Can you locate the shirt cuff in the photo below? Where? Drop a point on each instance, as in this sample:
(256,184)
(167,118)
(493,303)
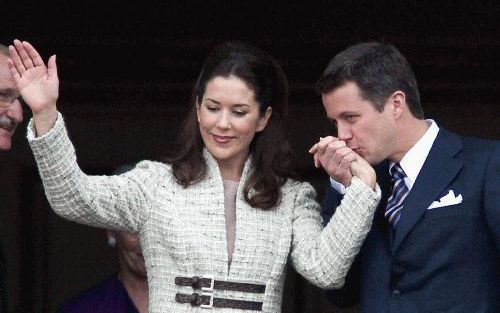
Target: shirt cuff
(337,186)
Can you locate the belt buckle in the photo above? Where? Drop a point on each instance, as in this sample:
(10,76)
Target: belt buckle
(211,303)
(211,287)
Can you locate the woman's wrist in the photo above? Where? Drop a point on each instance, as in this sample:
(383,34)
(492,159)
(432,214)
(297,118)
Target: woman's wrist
(44,120)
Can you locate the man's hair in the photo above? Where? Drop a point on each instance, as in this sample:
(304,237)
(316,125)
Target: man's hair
(4,50)
(378,70)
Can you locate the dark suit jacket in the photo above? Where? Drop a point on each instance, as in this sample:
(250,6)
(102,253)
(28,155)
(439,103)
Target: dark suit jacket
(439,260)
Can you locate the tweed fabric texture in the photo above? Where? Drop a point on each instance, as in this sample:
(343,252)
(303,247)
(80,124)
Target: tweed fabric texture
(183,233)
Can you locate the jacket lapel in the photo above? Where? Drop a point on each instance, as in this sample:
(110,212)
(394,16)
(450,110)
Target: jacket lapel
(439,169)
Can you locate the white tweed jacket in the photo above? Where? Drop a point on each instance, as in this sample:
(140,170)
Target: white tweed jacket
(182,230)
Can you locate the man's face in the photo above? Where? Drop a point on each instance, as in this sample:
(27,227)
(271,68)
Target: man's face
(365,130)
(11,113)
(130,252)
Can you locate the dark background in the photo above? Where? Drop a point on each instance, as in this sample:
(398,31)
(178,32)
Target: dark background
(126,72)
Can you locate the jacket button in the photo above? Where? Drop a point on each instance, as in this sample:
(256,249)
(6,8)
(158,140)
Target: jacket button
(396,294)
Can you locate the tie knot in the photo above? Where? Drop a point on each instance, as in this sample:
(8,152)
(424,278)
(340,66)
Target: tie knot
(397,172)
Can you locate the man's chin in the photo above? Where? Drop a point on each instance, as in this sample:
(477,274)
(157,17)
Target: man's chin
(372,161)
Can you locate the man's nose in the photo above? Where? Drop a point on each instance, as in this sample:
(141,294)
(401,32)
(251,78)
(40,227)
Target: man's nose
(344,132)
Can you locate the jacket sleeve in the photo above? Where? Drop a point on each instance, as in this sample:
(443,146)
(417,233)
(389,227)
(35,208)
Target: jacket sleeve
(349,294)
(324,255)
(118,202)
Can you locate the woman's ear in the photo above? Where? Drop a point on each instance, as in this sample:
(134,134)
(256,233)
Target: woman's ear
(264,119)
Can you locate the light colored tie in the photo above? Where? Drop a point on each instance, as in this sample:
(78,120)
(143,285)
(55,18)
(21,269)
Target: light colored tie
(398,195)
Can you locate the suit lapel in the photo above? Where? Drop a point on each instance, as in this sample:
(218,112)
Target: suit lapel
(439,169)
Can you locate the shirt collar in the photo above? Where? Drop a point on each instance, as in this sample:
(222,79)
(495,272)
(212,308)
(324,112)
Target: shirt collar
(414,159)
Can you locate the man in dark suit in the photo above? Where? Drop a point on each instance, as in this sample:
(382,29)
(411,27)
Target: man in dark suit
(11,115)
(435,238)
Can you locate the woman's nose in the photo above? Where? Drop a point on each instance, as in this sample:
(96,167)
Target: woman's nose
(223,121)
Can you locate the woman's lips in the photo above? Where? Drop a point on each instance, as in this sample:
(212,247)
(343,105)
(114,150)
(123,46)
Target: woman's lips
(222,139)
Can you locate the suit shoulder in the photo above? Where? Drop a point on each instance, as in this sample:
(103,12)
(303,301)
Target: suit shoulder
(480,150)
(479,144)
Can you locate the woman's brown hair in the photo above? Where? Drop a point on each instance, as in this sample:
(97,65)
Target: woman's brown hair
(272,156)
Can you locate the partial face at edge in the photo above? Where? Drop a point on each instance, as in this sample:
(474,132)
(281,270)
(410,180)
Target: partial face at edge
(130,252)
(11,113)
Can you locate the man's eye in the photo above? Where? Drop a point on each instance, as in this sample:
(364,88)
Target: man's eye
(8,97)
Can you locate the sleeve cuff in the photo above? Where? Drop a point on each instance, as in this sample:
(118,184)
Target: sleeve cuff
(337,186)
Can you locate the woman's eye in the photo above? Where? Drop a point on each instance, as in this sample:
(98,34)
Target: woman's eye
(240,113)
(212,109)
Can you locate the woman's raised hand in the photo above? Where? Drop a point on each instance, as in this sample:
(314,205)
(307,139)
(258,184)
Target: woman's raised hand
(37,83)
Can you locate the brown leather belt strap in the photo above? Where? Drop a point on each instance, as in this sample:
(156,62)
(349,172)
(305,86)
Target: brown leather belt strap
(208,284)
(207,301)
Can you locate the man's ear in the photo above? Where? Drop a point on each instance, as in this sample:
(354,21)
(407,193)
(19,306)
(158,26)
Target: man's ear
(264,119)
(398,103)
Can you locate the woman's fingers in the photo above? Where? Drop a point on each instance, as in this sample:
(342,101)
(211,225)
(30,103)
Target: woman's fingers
(313,149)
(346,161)
(338,150)
(364,171)
(33,54)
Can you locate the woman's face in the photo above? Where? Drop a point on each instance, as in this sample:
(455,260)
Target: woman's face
(229,117)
